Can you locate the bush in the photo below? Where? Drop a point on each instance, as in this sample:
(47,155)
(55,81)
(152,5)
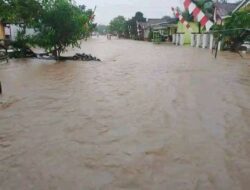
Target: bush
(150,36)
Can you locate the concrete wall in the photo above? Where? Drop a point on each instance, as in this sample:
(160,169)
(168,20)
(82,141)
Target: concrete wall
(187,36)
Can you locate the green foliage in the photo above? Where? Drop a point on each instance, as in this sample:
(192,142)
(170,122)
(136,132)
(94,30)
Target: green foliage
(20,12)
(61,24)
(58,23)
(238,20)
(126,32)
(118,25)
(132,24)
(127,29)
(150,35)
(207,6)
(187,16)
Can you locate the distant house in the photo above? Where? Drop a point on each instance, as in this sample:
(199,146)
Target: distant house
(10,31)
(165,27)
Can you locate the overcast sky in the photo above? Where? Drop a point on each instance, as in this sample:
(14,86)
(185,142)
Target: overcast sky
(108,9)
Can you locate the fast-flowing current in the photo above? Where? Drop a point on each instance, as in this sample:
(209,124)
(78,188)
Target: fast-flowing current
(148,117)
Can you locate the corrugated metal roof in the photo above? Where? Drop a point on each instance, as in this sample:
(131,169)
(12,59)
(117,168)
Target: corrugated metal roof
(225,9)
(157,22)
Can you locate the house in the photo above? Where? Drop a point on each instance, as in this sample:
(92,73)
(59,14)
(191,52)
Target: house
(187,33)
(164,26)
(224,10)
(10,31)
(144,28)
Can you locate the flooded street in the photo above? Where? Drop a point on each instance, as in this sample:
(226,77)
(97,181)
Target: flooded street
(148,117)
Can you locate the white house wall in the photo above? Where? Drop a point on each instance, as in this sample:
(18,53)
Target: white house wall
(14,30)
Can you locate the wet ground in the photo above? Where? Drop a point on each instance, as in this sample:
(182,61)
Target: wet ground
(148,117)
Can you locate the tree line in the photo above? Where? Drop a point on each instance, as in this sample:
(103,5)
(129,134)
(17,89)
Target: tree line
(126,28)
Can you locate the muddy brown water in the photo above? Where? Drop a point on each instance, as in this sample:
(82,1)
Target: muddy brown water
(148,117)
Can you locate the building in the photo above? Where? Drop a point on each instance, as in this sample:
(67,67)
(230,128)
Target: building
(10,31)
(165,27)
(181,29)
(224,10)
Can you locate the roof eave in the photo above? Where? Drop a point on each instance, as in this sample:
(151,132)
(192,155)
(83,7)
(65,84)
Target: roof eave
(241,5)
(225,17)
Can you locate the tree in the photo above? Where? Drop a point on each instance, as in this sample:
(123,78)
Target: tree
(167,17)
(139,17)
(132,24)
(117,25)
(238,20)
(20,12)
(207,7)
(57,23)
(126,32)
(60,25)
(187,16)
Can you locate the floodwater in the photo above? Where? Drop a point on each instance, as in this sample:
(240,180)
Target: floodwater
(148,117)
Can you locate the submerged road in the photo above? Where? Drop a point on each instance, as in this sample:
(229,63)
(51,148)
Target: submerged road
(148,117)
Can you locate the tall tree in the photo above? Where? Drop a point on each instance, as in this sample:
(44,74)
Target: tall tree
(20,12)
(132,24)
(57,23)
(117,25)
(166,17)
(61,24)
(187,16)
